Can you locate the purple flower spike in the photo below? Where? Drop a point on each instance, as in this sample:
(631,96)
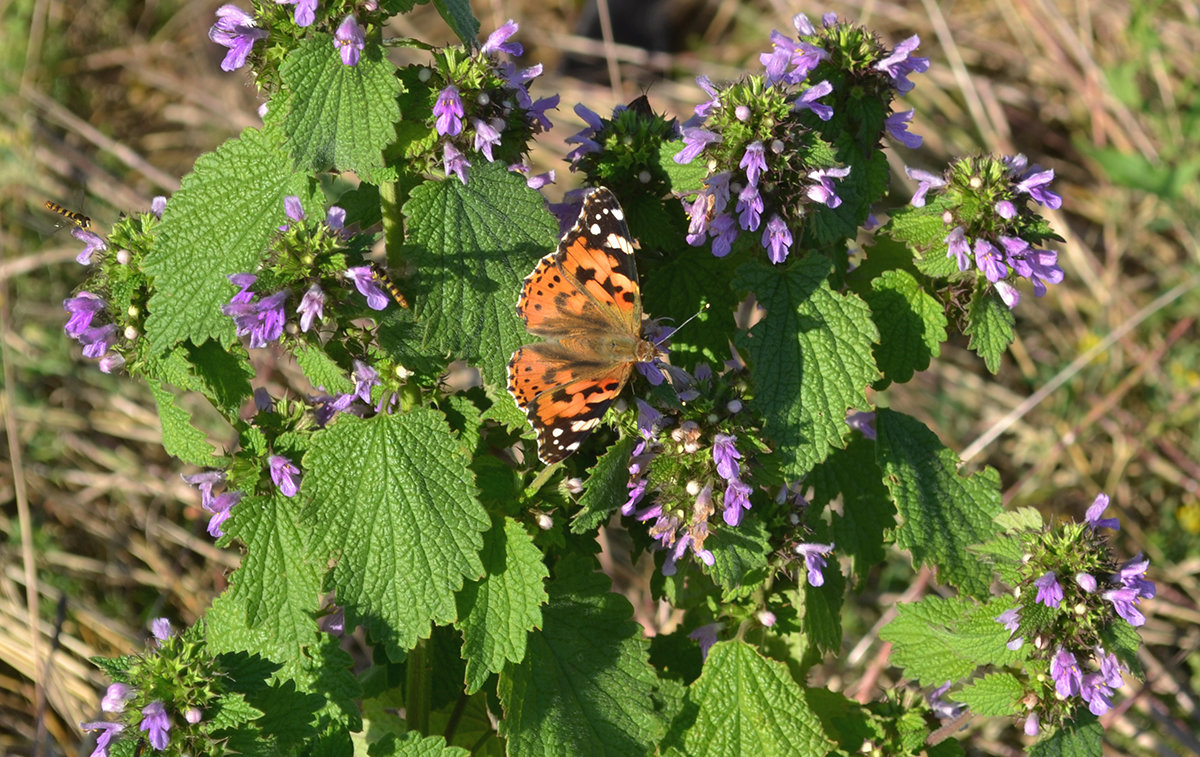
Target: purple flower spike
(155,720)
(1049,593)
(776,239)
(725,455)
(92,243)
(312,306)
(1092,516)
(367,286)
(897,126)
(284,474)
(814,561)
(497,41)
(83,308)
(235,29)
(455,163)
(349,41)
(306,11)
(753,161)
(449,112)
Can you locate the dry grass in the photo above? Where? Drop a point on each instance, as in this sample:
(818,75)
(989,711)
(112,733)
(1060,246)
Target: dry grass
(1101,392)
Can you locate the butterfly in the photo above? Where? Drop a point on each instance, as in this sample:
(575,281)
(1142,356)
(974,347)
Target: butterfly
(584,299)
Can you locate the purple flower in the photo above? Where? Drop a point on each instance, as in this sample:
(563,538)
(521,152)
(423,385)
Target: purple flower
(703,109)
(697,219)
(1096,692)
(749,207)
(365,377)
(754,161)
(205,481)
(536,112)
(1086,581)
(92,243)
(262,320)
(158,205)
(312,306)
(695,140)
(306,11)
(863,422)
(1097,508)
(1011,620)
(155,720)
(724,230)
(293,208)
(367,286)
(1124,601)
(989,259)
(1039,266)
(243,281)
(776,239)
(725,455)
(1133,575)
(814,561)
(83,308)
(221,507)
(1008,293)
(455,163)
(497,41)
(111,362)
(1033,724)
(899,64)
(335,217)
(1049,592)
(192,715)
(285,475)
(449,111)
(235,29)
(649,420)
(1006,210)
(486,137)
(942,709)
(161,629)
(737,499)
(109,731)
(897,126)
(115,697)
(1065,673)
(822,191)
(958,246)
(926,181)
(97,340)
(705,636)
(349,41)
(808,100)
(776,61)
(1035,184)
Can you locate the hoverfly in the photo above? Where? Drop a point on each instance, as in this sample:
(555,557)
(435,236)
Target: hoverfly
(386,282)
(79,220)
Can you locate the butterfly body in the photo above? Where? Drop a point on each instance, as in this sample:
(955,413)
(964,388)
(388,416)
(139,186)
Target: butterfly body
(584,300)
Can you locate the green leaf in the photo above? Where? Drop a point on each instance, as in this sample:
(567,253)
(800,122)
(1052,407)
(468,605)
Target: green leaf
(1020,520)
(676,288)
(321,370)
(924,231)
(472,247)
(688,177)
(179,437)
(497,613)
(994,695)
(392,497)
(222,375)
(942,514)
(279,581)
(1082,738)
(750,705)
(911,325)
(867,509)
(457,13)
(339,117)
(585,687)
(412,744)
(809,358)
(738,553)
(218,223)
(606,489)
(822,605)
(938,640)
(990,326)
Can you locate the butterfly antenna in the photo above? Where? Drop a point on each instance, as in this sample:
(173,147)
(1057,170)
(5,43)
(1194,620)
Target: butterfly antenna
(689,319)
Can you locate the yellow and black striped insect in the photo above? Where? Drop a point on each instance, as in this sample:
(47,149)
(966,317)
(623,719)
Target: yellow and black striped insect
(386,282)
(78,220)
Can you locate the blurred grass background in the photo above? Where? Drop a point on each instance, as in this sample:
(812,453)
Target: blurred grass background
(106,104)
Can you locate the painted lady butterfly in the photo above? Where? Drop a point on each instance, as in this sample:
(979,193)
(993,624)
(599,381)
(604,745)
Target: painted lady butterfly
(584,299)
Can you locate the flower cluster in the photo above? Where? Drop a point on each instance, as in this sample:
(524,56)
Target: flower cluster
(1068,614)
(219,505)
(167,690)
(238,31)
(763,138)
(983,203)
(481,105)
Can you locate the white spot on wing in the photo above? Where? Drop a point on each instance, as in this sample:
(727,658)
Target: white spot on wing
(584,425)
(619,242)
